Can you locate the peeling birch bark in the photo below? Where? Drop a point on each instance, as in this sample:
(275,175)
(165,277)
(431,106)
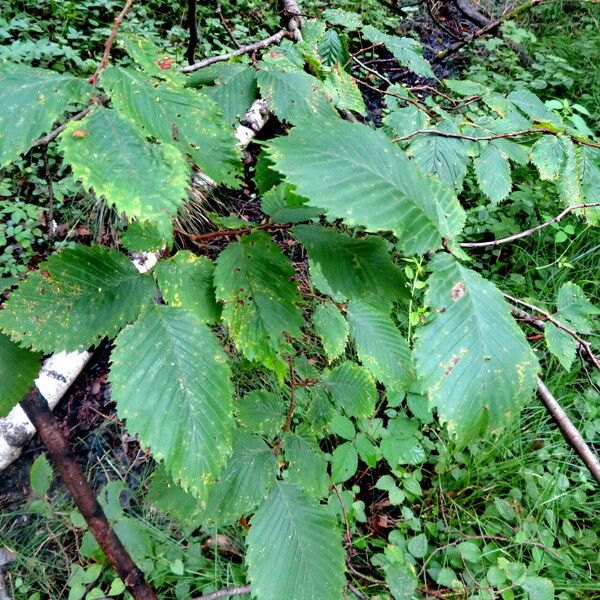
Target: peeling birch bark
(60,370)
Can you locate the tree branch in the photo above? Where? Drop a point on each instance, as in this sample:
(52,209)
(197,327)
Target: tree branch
(212,235)
(39,414)
(109,42)
(273,39)
(569,431)
(587,347)
(226,593)
(531,231)
(192,24)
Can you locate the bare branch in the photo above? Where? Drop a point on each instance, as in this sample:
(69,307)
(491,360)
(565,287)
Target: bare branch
(56,132)
(193,29)
(531,231)
(38,412)
(110,41)
(226,593)
(273,39)
(569,431)
(583,343)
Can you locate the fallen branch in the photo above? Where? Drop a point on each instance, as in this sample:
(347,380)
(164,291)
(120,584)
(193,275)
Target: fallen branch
(213,235)
(569,431)
(109,42)
(488,138)
(587,347)
(226,593)
(528,232)
(39,414)
(273,39)
(471,13)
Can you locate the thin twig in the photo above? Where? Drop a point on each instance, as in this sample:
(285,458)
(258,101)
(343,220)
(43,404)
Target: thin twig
(357,592)
(488,138)
(531,231)
(372,71)
(412,101)
(192,23)
(50,211)
(273,39)
(290,413)
(109,42)
(38,412)
(56,132)
(569,431)
(583,343)
(212,235)
(226,26)
(236,591)
(434,18)
(345,518)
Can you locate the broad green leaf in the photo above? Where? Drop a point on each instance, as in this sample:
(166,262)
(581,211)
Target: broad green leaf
(408,52)
(262,412)
(32,100)
(406,119)
(18,369)
(444,157)
(570,184)
(402,581)
(108,153)
(417,545)
(357,174)
(141,236)
(344,91)
(186,280)
(307,466)
(40,476)
(380,345)
(284,206)
(352,389)
(294,549)
(332,329)
(293,94)
(344,462)
(185,117)
(150,58)
(265,175)
(331,48)
(561,344)
(493,173)
(342,426)
(252,278)
(170,381)
(472,358)
(352,266)
(549,155)
(464,87)
(533,107)
(77,297)
(233,87)
(245,481)
(344,18)
(538,588)
(573,304)
(402,451)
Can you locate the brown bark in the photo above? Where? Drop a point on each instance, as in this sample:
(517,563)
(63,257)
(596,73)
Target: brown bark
(39,414)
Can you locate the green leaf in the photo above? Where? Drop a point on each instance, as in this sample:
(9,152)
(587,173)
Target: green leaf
(533,107)
(493,173)
(186,280)
(464,87)
(538,588)
(18,369)
(344,91)
(252,278)
(573,304)
(473,359)
(561,344)
(344,462)
(444,157)
(170,381)
(141,236)
(294,549)
(183,116)
(307,466)
(245,481)
(332,329)
(331,48)
(152,59)
(402,451)
(108,153)
(262,412)
(408,52)
(402,581)
(344,18)
(352,389)
(358,175)
(549,155)
(293,94)
(406,120)
(233,87)
(283,206)
(380,345)
(32,101)
(40,476)
(417,545)
(354,267)
(77,297)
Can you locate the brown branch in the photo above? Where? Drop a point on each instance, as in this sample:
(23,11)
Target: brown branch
(192,23)
(109,42)
(434,18)
(569,431)
(273,39)
(531,231)
(226,26)
(39,414)
(347,533)
(471,13)
(56,132)
(50,211)
(412,101)
(587,347)
(236,591)
(212,235)
(487,138)
(290,413)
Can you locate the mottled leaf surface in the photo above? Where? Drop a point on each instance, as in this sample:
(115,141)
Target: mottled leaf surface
(352,389)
